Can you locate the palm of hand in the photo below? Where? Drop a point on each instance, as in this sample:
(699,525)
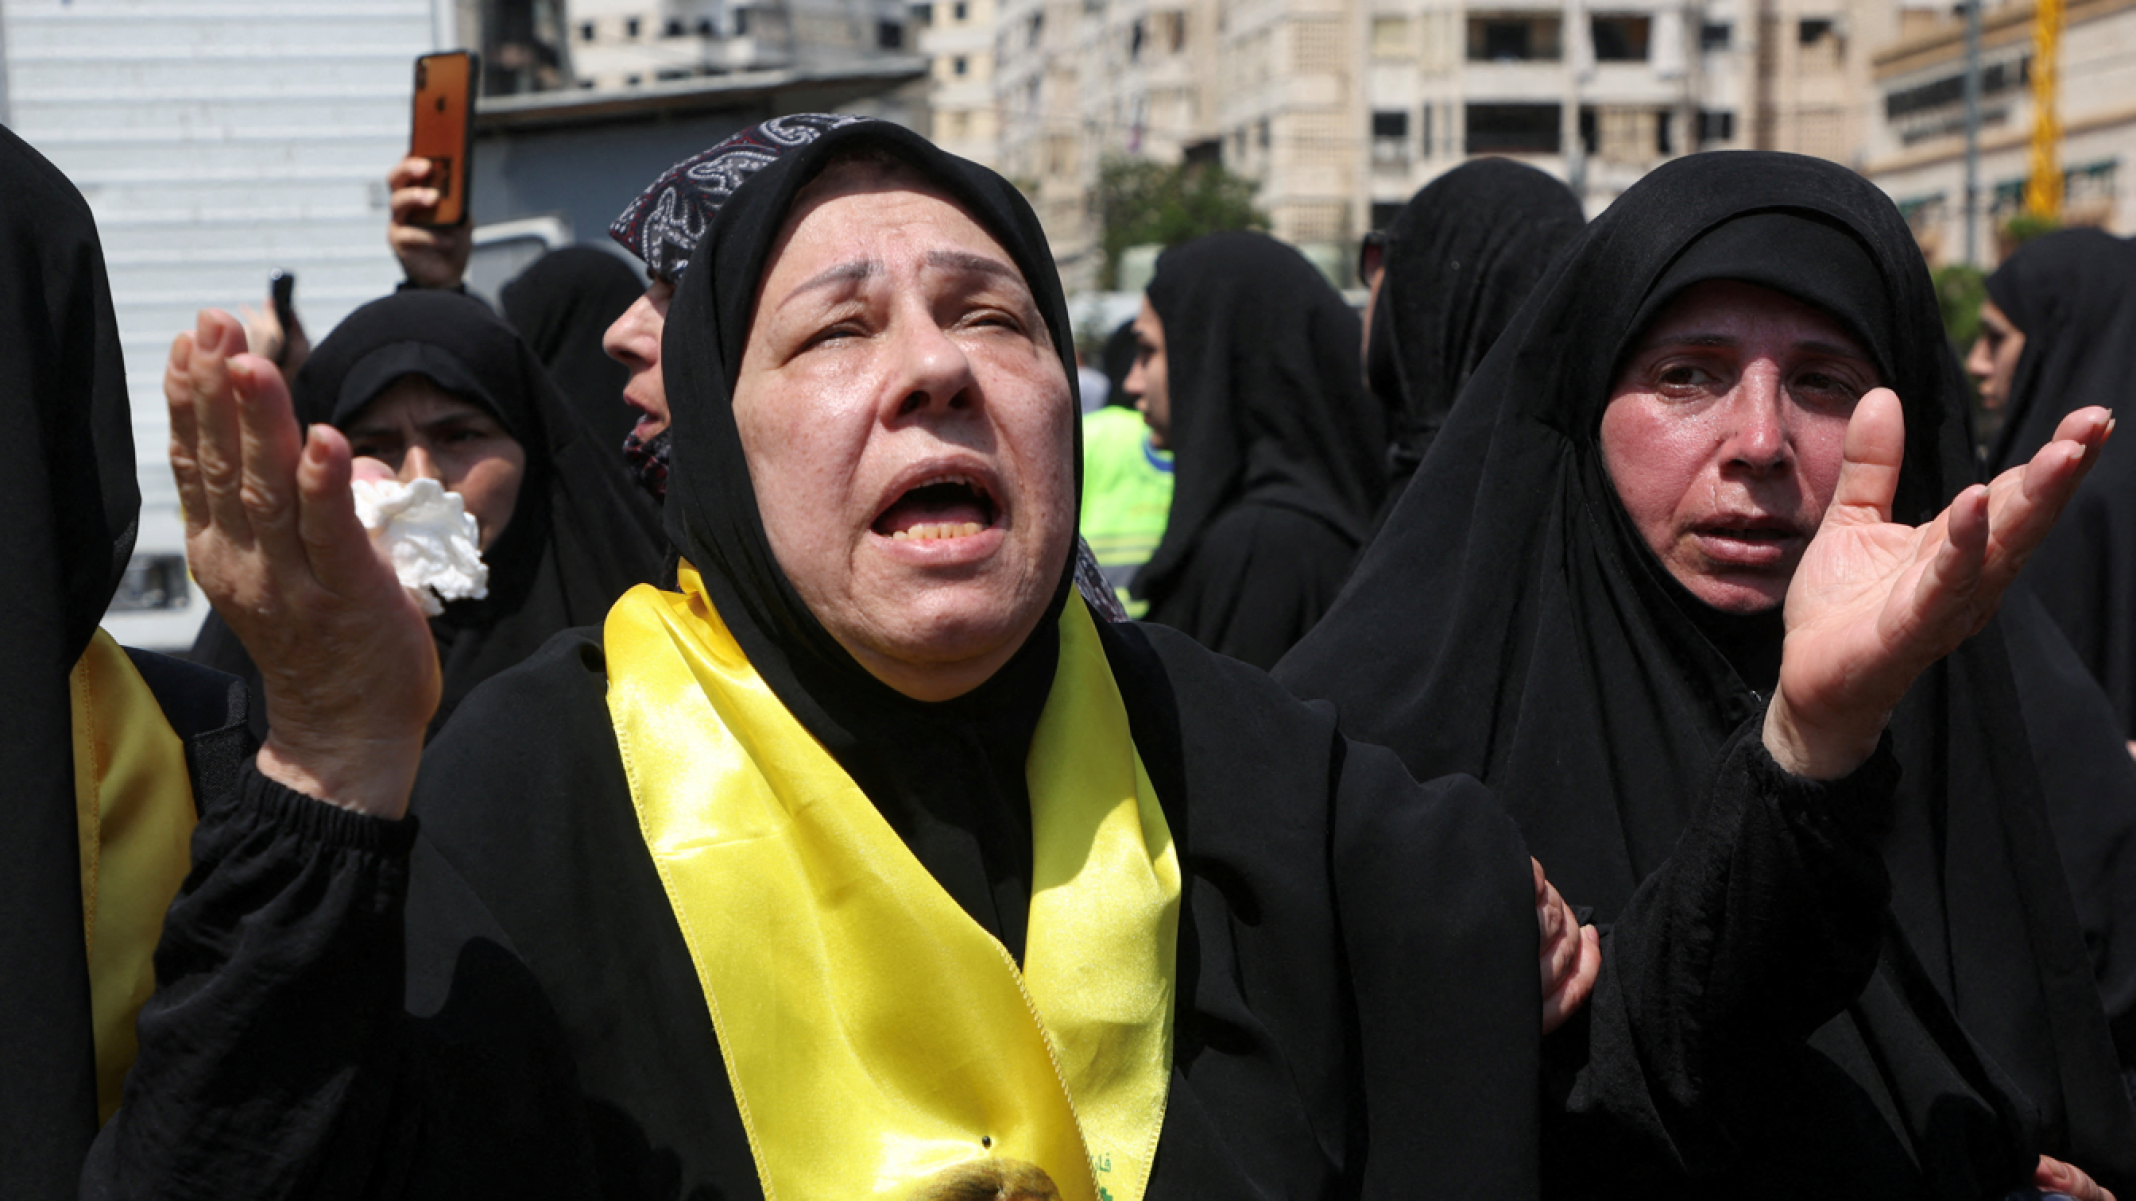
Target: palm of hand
(1874,603)
(346,658)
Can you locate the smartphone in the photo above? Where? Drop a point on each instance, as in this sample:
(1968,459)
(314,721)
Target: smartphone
(282,286)
(443,130)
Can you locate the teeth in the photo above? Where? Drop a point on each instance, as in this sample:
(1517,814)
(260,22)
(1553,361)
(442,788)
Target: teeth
(945,529)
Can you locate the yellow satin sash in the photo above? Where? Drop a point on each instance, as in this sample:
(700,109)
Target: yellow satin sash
(133,804)
(879,1041)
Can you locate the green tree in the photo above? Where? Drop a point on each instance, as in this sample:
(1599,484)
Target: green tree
(1141,201)
(1960,287)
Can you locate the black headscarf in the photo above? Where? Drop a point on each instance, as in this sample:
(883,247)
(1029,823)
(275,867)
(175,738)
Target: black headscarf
(579,536)
(1510,623)
(562,305)
(1268,407)
(1118,361)
(70,507)
(1461,256)
(948,776)
(2073,295)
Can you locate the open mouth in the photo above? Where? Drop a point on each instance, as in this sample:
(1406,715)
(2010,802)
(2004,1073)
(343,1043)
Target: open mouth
(949,506)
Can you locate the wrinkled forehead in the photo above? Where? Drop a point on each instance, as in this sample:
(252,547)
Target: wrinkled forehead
(889,193)
(1729,310)
(1821,268)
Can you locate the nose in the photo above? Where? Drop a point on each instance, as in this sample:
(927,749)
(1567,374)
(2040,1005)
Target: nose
(1759,436)
(937,373)
(626,340)
(1979,363)
(1134,385)
(416,464)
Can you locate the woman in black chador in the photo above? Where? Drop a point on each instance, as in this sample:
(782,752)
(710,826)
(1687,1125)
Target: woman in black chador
(431,383)
(1447,275)
(2070,301)
(1579,601)
(1249,375)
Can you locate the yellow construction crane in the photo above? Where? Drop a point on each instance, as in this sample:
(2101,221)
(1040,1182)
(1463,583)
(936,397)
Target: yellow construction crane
(2043,188)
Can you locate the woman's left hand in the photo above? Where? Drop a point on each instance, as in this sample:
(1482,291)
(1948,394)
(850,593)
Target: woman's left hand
(1874,603)
(1571,954)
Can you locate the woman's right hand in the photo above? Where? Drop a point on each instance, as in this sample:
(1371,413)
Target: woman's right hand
(433,256)
(346,659)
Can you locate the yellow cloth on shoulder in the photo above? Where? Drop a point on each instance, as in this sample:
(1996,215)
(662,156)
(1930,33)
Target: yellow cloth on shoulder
(133,807)
(880,1043)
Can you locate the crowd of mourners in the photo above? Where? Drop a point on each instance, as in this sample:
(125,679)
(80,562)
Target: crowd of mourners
(1583,730)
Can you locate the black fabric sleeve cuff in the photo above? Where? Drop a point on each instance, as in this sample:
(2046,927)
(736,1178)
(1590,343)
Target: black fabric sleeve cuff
(314,821)
(1860,803)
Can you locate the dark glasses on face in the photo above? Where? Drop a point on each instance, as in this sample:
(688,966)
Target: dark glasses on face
(1372,256)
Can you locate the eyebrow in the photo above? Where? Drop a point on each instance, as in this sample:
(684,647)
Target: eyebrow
(950,260)
(1725,342)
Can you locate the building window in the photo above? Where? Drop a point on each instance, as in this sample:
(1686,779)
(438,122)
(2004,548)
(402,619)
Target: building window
(889,35)
(1390,124)
(1513,129)
(1715,35)
(1716,126)
(923,15)
(1512,38)
(1621,39)
(1813,30)
(706,29)
(959,65)
(1135,37)
(585,31)
(1426,131)
(630,27)
(1261,133)
(1038,27)
(959,11)
(1664,123)
(674,28)
(741,22)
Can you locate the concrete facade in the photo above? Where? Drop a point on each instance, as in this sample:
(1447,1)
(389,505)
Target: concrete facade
(630,43)
(1915,144)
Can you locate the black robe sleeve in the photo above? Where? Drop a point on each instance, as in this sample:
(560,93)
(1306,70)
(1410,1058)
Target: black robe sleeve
(1765,922)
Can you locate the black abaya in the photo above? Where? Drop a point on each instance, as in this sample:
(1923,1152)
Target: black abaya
(1510,623)
(69,504)
(580,534)
(1460,258)
(562,306)
(2073,295)
(1277,449)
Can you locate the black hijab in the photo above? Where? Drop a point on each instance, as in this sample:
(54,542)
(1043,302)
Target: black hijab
(1268,407)
(1461,256)
(947,776)
(2073,295)
(579,536)
(562,305)
(70,505)
(1117,361)
(1510,623)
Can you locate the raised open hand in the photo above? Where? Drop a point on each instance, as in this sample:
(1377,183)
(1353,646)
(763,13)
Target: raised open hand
(346,660)
(1874,603)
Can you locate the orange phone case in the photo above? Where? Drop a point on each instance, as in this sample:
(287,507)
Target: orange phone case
(443,129)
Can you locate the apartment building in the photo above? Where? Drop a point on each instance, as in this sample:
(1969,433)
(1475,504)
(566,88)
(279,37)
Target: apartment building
(631,43)
(957,39)
(1915,146)
(1341,109)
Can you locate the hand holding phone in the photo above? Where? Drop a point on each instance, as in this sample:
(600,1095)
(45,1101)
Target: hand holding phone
(442,132)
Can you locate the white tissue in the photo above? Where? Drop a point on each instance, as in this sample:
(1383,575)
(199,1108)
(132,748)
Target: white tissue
(430,537)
